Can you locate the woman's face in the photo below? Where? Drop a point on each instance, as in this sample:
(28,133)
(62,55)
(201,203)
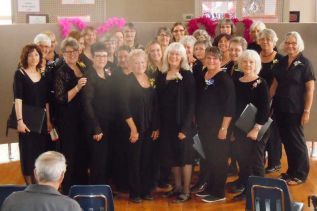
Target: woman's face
(129,35)
(138,64)
(33,58)
(81,43)
(155,52)
(248,66)
(235,50)
(225,28)
(70,55)
(199,51)
(212,62)
(163,39)
(266,44)
(119,37)
(45,48)
(223,44)
(189,50)
(110,45)
(291,47)
(90,37)
(178,32)
(123,59)
(254,34)
(174,59)
(53,43)
(100,59)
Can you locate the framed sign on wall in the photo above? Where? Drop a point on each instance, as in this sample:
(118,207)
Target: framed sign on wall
(37,18)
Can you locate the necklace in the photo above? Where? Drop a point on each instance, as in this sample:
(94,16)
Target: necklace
(270,54)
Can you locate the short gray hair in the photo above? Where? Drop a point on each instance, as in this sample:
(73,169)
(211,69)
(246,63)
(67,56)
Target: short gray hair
(257,24)
(268,33)
(253,56)
(69,42)
(49,166)
(137,53)
(180,49)
(188,40)
(300,42)
(201,35)
(241,41)
(42,38)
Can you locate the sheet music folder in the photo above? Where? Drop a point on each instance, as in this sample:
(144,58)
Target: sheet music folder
(246,121)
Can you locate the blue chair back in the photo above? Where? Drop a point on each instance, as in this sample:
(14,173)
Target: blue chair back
(93,197)
(266,198)
(6,190)
(271,182)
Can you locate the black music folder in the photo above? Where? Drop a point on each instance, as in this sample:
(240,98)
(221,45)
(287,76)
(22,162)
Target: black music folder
(246,121)
(33,117)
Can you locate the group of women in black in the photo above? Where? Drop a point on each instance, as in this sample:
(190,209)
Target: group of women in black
(116,120)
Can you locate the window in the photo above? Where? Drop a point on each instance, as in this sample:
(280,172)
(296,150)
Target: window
(263,10)
(217,9)
(5,12)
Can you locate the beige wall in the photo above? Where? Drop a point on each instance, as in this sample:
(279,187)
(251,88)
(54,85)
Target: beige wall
(14,37)
(307,9)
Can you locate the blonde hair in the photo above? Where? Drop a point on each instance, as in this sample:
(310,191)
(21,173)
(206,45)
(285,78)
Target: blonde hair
(253,56)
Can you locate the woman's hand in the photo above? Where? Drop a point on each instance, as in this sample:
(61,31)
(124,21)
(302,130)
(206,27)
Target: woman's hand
(222,134)
(305,118)
(81,82)
(134,136)
(155,134)
(253,134)
(22,128)
(97,137)
(181,136)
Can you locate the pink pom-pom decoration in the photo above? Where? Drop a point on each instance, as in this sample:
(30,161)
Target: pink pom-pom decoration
(111,23)
(65,25)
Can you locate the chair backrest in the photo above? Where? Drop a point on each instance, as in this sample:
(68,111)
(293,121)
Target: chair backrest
(265,198)
(6,190)
(93,195)
(268,182)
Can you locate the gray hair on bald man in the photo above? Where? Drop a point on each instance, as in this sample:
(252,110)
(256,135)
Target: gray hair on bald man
(49,166)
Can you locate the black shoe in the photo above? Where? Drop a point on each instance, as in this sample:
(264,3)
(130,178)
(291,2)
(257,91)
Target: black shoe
(236,189)
(199,188)
(232,170)
(171,193)
(202,194)
(135,199)
(164,186)
(148,197)
(211,199)
(233,183)
(271,169)
(183,197)
(240,196)
(285,177)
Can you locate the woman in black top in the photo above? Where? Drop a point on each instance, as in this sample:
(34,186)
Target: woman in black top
(155,55)
(30,87)
(214,111)
(293,89)
(255,29)
(251,88)
(270,58)
(222,41)
(140,113)
(97,104)
(89,34)
(176,92)
(68,83)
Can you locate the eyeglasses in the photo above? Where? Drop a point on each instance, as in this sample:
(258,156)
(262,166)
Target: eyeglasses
(101,56)
(71,52)
(291,43)
(164,35)
(179,30)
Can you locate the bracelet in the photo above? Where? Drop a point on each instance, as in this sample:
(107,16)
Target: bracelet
(223,128)
(306,111)
(19,119)
(76,88)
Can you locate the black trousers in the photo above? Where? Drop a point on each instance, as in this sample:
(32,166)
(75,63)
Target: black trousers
(250,156)
(274,146)
(140,166)
(216,152)
(292,136)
